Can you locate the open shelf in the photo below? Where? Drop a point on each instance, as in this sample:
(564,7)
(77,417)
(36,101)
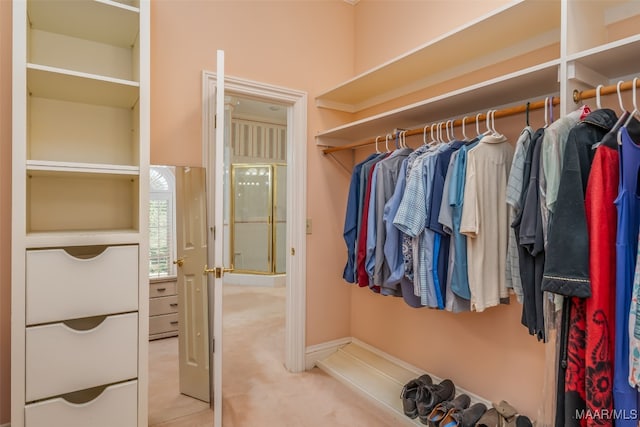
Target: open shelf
(473,46)
(66,85)
(515,87)
(81,201)
(102,21)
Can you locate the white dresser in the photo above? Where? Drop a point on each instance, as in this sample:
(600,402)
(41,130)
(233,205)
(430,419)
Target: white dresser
(163,309)
(80,295)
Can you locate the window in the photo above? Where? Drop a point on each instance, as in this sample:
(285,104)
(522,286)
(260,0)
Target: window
(162,244)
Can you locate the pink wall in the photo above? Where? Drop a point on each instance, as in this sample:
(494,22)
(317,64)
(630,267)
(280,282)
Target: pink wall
(5,210)
(305,45)
(386,29)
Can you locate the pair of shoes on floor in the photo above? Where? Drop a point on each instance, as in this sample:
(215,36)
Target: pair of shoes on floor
(430,396)
(503,415)
(456,413)
(410,393)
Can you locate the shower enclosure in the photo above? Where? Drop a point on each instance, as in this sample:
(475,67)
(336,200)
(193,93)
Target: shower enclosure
(258,218)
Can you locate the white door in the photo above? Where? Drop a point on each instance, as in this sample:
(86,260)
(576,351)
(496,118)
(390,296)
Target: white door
(193,300)
(219,162)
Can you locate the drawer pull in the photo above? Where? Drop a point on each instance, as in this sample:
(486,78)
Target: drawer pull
(175,322)
(173,304)
(84,324)
(161,289)
(85,252)
(84,396)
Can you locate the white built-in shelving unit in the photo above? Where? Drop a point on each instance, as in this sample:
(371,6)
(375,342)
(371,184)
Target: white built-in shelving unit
(79,212)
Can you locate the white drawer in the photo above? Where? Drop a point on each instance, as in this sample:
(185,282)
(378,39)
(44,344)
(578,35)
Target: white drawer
(116,406)
(61,360)
(61,286)
(163,305)
(164,323)
(162,289)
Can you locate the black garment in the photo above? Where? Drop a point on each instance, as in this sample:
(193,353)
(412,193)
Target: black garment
(566,271)
(528,229)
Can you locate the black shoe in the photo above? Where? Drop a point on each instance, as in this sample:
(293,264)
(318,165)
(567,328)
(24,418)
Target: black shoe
(429,396)
(409,393)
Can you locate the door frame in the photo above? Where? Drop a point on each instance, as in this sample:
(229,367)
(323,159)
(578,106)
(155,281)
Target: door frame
(296,103)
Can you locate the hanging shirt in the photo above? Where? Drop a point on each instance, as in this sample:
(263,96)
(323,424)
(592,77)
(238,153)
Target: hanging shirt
(372,229)
(441,240)
(528,228)
(361,271)
(393,243)
(515,185)
(351,221)
(628,206)
(407,244)
(552,156)
(485,220)
(634,339)
(453,302)
(459,272)
(387,176)
(602,189)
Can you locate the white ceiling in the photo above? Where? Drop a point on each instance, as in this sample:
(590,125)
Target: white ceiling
(258,110)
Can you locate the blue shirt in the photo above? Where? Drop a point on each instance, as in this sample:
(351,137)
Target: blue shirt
(460,278)
(393,244)
(351,222)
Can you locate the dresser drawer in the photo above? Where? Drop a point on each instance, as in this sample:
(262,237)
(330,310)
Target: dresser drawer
(163,305)
(61,286)
(115,406)
(61,359)
(162,289)
(164,323)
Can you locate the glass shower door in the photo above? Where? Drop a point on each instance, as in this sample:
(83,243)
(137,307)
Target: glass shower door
(252,218)
(280,216)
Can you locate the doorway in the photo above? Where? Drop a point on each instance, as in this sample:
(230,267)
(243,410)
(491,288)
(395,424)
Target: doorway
(295,103)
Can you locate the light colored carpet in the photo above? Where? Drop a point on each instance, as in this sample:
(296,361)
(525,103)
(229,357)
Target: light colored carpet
(258,390)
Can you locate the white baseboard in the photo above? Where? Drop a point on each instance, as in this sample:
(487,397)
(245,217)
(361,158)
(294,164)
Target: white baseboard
(313,353)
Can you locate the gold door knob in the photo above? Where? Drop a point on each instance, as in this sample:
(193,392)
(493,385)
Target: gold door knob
(219,271)
(179,262)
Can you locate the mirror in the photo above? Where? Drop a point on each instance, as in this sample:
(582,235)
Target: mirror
(178,298)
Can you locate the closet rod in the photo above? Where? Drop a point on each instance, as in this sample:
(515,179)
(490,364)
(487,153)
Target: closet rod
(577,97)
(511,111)
(604,90)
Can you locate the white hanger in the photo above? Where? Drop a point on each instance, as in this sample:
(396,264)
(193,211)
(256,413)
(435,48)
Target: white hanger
(403,139)
(546,112)
(377,150)
(622,109)
(452,137)
(493,123)
(433,140)
(489,131)
(464,133)
(424,135)
(478,124)
(635,102)
(598,103)
(386,141)
(440,133)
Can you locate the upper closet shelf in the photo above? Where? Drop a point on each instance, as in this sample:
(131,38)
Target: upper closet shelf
(612,60)
(65,85)
(103,21)
(531,83)
(94,168)
(517,28)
